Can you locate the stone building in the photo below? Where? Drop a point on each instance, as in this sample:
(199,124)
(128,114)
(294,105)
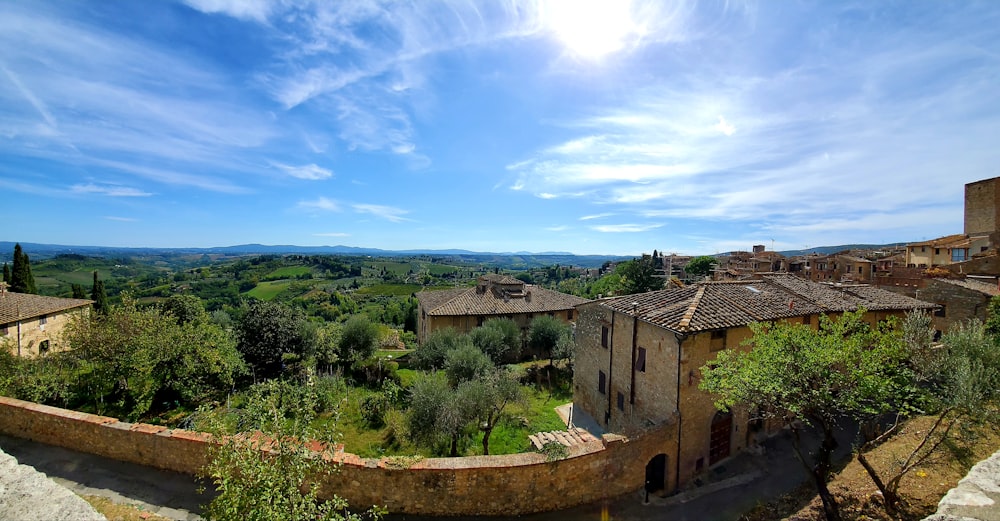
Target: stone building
(638,359)
(494,296)
(958,300)
(33,324)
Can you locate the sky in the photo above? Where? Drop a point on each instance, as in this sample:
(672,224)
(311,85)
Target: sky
(576,126)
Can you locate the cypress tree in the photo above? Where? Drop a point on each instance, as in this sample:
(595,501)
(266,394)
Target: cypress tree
(98,295)
(78,291)
(6,273)
(21,280)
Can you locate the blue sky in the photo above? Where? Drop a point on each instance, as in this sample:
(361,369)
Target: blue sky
(581,126)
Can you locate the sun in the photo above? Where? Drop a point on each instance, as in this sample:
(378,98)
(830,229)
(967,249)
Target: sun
(591,28)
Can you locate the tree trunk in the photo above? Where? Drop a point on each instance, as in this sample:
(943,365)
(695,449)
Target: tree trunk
(889,498)
(454,445)
(821,472)
(486,440)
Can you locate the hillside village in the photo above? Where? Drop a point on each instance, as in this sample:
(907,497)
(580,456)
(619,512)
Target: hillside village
(637,359)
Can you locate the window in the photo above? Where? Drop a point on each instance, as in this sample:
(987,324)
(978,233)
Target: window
(806,320)
(42,320)
(941,311)
(602,382)
(923,249)
(718,341)
(958,254)
(937,251)
(3,330)
(604,336)
(479,321)
(640,360)
(569,315)
(43,347)
(621,401)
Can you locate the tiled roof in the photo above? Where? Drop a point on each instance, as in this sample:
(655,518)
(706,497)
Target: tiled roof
(718,305)
(473,301)
(943,242)
(501,279)
(22,306)
(975,285)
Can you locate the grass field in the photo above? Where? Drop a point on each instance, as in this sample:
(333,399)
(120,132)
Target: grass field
(269,290)
(289,272)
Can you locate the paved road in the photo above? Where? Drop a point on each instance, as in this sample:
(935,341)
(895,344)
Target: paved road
(727,491)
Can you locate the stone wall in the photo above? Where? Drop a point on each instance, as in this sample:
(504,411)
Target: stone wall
(481,485)
(33,333)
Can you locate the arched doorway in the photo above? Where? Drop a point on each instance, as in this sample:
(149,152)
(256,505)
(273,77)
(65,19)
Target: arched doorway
(720,437)
(656,473)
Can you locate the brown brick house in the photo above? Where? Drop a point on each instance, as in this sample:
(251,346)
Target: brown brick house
(638,359)
(33,324)
(494,296)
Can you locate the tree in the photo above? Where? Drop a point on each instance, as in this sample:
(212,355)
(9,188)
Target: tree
(270,335)
(466,362)
(78,291)
(638,276)
(499,338)
(844,368)
(958,383)
(185,308)
(431,354)
(98,295)
(268,471)
(546,334)
(358,339)
(437,412)
(488,397)
(21,279)
(6,273)
(701,266)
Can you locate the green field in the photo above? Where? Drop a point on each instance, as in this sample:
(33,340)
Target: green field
(269,290)
(288,272)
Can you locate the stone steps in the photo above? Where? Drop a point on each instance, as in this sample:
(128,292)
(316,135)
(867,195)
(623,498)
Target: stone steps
(574,436)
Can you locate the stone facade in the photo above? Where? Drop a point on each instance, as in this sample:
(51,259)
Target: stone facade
(959,300)
(982,206)
(33,324)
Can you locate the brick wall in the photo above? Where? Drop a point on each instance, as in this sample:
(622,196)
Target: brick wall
(481,485)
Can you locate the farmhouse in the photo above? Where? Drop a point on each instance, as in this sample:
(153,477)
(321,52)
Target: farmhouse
(32,324)
(494,296)
(638,360)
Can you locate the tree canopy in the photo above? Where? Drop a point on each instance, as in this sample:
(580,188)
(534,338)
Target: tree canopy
(268,333)
(21,279)
(639,275)
(701,266)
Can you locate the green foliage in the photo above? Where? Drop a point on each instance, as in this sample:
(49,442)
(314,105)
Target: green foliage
(21,279)
(639,276)
(499,338)
(466,362)
(133,360)
(99,295)
(554,450)
(431,354)
(78,291)
(437,412)
(6,273)
(844,368)
(549,335)
(185,308)
(701,266)
(267,472)
(358,340)
(993,318)
(267,332)
(487,398)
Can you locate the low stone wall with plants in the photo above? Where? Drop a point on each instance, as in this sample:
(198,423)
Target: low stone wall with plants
(477,485)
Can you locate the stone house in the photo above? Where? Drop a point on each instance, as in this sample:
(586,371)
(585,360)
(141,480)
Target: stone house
(958,300)
(33,324)
(638,359)
(945,250)
(493,296)
(837,267)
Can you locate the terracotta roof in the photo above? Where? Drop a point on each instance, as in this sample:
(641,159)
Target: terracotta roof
(22,306)
(975,285)
(943,242)
(501,279)
(475,301)
(719,305)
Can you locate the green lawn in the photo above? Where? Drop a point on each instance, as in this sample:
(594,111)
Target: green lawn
(289,272)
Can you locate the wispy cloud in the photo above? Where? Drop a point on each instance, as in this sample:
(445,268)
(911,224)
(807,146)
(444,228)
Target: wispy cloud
(311,171)
(109,190)
(596,216)
(560,228)
(120,219)
(320,203)
(388,213)
(624,228)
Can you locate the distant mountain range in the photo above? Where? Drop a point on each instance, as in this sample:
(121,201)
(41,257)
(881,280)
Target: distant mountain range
(43,251)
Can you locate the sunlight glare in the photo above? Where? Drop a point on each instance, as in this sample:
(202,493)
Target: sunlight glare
(591,28)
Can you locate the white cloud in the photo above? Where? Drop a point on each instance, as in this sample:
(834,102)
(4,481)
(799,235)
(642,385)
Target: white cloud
(560,228)
(725,127)
(255,10)
(311,171)
(596,216)
(321,203)
(109,190)
(388,213)
(624,228)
